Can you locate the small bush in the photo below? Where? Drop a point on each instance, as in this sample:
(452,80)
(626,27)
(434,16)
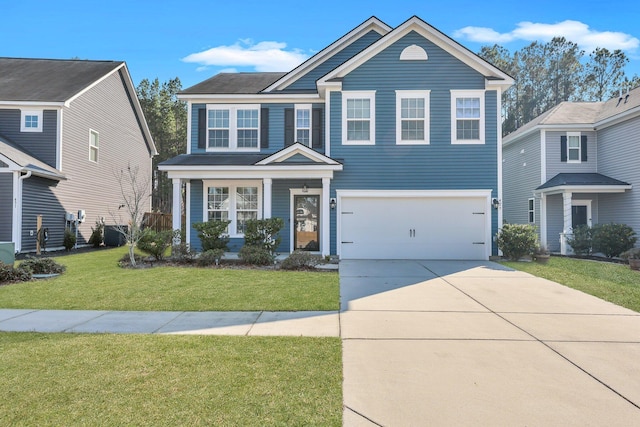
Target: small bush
(300,260)
(155,243)
(42,265)
(9,274)
(213,234)
(256,255)
(263,233)
(210,257)
(613,239)
(97,234)
(581,241)
(69,240)
(517,240)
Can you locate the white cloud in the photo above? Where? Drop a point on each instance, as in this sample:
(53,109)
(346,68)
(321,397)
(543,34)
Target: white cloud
(262,56)
(575,31)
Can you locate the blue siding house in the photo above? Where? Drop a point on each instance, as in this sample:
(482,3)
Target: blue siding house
(385,144)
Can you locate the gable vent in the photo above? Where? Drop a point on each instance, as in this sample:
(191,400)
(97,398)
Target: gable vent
(413,53)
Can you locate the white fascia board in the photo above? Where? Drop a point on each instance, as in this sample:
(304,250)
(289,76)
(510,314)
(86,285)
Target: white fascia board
(498,84)
(253,168)
(92,85)
(584,189)
(431,34)
(12,166)
(614,120)
(258,173)
(372,23)
(294,149)
(299,98)
(414,193)
(36,105)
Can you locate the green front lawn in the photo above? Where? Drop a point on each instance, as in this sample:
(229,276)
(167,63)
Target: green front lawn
(615,283)
(77,379)
(94,281)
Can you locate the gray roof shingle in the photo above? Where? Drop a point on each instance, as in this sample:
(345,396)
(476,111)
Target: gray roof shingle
(578,179)
(234,83)
(49,80)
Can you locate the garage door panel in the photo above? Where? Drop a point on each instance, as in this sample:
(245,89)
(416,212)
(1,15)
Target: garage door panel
(413,228)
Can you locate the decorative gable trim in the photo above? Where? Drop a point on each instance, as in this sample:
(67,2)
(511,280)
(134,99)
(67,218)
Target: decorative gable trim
(413,53)
(372,23)
(430,33)
(297,149)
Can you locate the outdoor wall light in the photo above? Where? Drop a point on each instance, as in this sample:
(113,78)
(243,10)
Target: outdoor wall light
(305,188)
(495,203)
(332,203)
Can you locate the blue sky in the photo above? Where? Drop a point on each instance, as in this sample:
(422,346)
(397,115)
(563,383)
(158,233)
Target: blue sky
(195,39)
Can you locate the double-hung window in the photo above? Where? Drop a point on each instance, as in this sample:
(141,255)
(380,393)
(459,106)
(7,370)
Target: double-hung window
(467,117)
(94,146)
(531,212)
(303,124)
(31,121)
(573,147)
(358,117)
(237,201)
(231,127)
(412,117)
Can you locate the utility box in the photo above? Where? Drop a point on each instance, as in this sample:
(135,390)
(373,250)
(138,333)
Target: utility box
(7,253)
(112,237)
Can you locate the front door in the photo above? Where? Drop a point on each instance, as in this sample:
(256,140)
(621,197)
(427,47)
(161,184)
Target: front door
(578,215)
(306,235)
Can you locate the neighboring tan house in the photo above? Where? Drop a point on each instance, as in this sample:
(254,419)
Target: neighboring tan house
(385,144)
(67,128)
(578,163)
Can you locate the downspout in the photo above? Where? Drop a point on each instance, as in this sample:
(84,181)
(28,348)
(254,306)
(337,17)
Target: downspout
(17,228)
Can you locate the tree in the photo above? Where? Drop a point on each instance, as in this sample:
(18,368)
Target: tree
(166,116)
(604,74)
(135,192)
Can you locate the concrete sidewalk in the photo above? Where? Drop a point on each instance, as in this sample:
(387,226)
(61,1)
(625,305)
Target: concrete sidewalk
(299,323)
(473,343)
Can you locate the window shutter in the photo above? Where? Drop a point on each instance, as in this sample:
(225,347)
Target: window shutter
(563,148)
(289,127)
(264,128)
(583,148)
(316,131)
(202,128)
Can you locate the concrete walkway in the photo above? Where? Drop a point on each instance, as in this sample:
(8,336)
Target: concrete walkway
(299,323)
(472,343)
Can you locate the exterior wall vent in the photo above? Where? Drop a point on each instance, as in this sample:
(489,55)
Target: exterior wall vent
(413,53)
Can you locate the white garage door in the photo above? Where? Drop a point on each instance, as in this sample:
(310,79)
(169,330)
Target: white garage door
(392,227)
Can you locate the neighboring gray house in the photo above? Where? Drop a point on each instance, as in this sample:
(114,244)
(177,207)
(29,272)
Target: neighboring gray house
(67,127)
(578,163)
(385,144)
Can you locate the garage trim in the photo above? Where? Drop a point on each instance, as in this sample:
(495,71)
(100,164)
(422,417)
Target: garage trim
(486,194)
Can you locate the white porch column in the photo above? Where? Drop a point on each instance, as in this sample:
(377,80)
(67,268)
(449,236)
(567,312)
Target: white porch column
(566,228)
(266,197)
(176,208)
(325,247)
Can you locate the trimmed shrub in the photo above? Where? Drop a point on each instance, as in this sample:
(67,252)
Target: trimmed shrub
(69,240)
(97,234)
(155,243)
(256,255)
(42,265)
(210,257)
(517,240)
(9,274)
(300,260)
(213,234)
(263,233)
(582,240)
(613,239)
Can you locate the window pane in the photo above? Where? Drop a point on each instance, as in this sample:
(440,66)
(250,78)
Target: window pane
(358,130)
(358,108)
(412,130)
(31,121)
(247,138)
(468,108)
(467,129)
(303,119)
(243,217)
(247,198)
(412,108)
(247,119)
(574,154)
(574,142)
(219,138)
(218,198)
(219,118)
(302,136)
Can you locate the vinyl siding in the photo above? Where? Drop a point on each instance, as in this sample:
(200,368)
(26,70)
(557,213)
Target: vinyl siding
(437,166)
(555,166)
(555,221)
(38,198)
(619,157)
(308,81)
(6,206)
(521,169)
(41,145)
(107,109)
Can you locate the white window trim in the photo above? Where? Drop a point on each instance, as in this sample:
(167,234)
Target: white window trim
(233,126)
(97,147)
(232,185)
(24,114)
(401,94)
(531,213)
(467,94)
(295,119)
(579,135)
(371,96)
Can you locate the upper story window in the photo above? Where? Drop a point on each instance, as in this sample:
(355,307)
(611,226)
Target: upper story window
(358,117)
(233,127)
(412,117)
(573,147)
(31,121)
(467,117)
(93,145)
(303,124)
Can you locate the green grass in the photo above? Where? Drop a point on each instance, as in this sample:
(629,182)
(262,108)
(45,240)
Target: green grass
(113,380)
(94,281)
(615,283)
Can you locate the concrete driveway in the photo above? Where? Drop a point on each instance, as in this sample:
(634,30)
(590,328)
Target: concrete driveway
(447,343)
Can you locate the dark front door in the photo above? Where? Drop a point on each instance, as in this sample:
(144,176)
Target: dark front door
(306,212)
(578,216)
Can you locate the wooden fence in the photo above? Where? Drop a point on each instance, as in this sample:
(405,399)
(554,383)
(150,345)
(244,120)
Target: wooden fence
(159,221)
